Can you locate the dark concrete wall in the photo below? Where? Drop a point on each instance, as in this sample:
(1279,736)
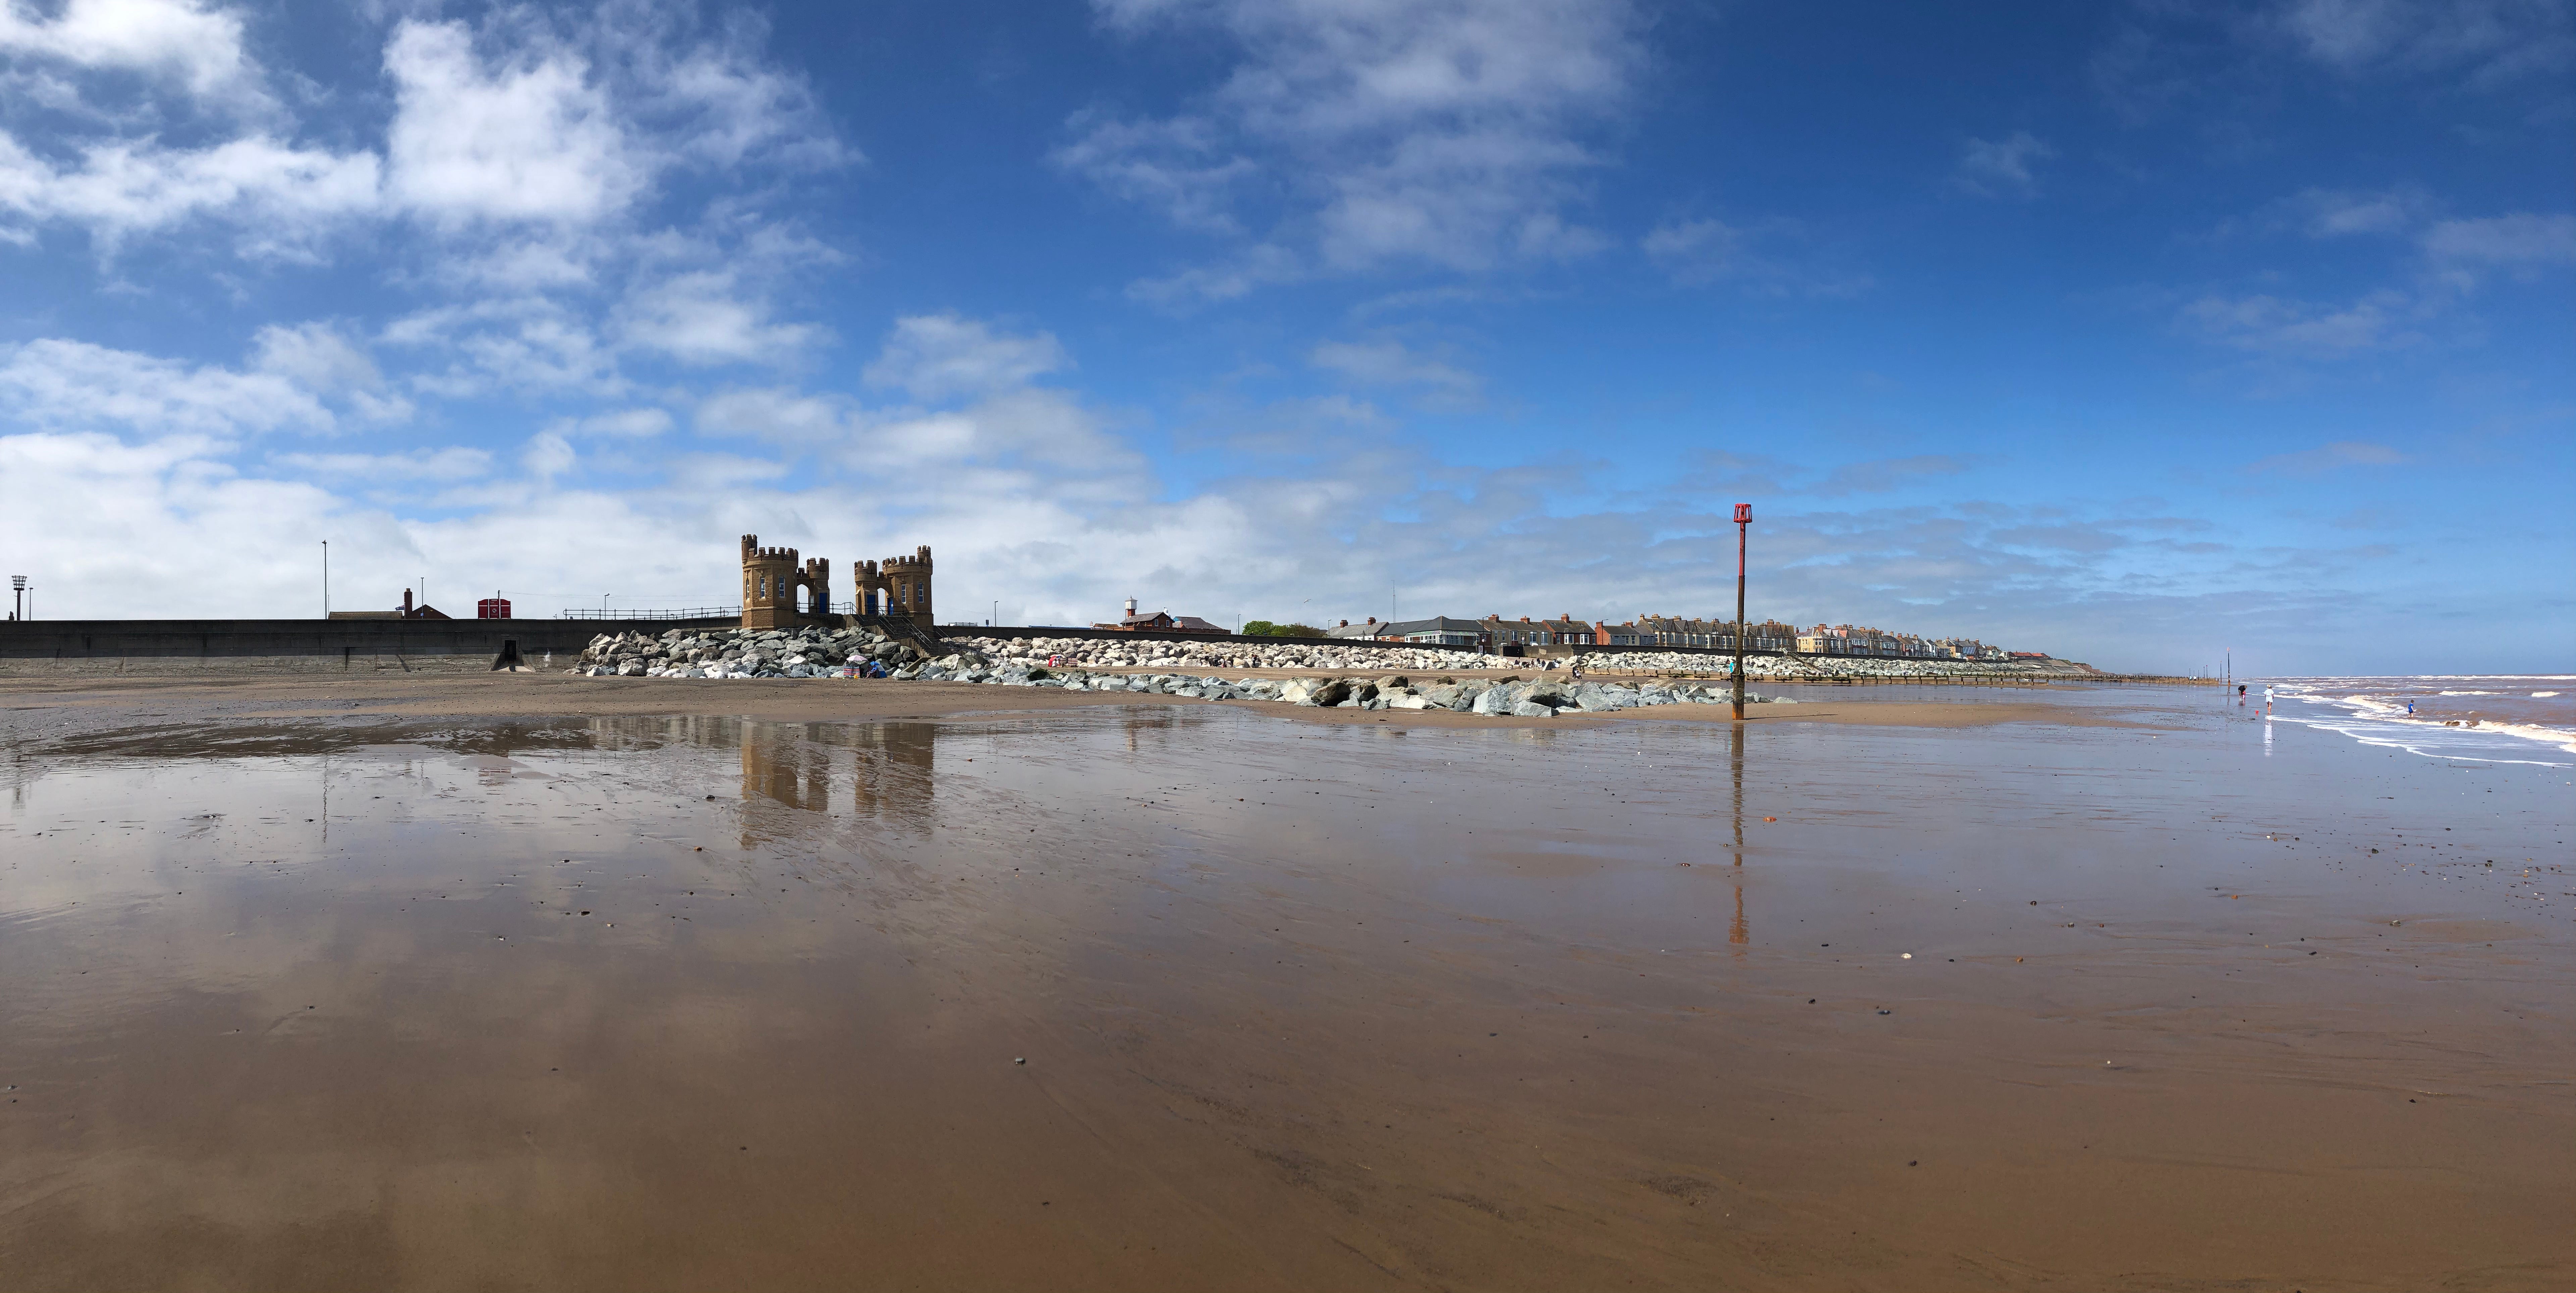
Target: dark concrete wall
(111,639)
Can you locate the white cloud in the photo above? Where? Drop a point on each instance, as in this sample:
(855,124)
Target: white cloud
(780,416)
(58,384)
(438,465)
(1387,362)
(281,195)
(572,130)
(700,319)
(314,355)
(1697,251)
(631,424)
(1883,475)
(2288,328)
(529,139)
(940,356)
(1757,258)
(2496,41)
(520,153)
(320,359)
(2519,243)
(1448,133)
(1238,276)
(195,45)
(1180,166)
(2001,167)
(2324,458)
(722,471)
(710,99)
(547,456)
(528,344)
(2336,213)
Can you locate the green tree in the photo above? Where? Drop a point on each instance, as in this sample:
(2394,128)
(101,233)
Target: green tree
(1266,629)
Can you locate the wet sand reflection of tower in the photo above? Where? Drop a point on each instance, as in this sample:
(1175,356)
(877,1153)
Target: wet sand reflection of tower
(780,769)
(1737,934)
(792,765)
(1159,721)
(780,766)
(892,771)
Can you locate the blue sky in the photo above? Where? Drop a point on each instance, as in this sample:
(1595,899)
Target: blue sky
(2131,333)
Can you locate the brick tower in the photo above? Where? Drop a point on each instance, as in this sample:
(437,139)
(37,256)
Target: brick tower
(905,583)
(770,581)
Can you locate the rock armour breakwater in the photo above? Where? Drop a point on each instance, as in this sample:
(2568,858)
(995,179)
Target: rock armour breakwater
(819,652)
(1154,669)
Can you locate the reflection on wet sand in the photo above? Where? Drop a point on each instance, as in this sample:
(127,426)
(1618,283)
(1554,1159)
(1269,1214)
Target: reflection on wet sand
(1737,933)
(701,1002)
(887,766)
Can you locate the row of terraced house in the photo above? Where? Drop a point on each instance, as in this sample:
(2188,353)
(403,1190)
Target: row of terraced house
(1650,632)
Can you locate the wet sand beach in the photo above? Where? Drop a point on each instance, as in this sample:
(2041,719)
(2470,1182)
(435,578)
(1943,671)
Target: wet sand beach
(538,982)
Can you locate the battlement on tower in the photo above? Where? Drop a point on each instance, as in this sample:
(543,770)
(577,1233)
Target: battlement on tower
(752,551)
(919,560)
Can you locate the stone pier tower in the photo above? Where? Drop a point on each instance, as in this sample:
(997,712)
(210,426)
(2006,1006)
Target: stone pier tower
(770,582)
(897,586)
(907,581)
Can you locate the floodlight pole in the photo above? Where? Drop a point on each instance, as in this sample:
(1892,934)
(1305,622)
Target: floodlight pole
(326,579)
(18,588)
(1743,523)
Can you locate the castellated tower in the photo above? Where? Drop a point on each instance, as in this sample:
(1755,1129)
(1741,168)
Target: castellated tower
(897,586)
(771,580)
(907,585)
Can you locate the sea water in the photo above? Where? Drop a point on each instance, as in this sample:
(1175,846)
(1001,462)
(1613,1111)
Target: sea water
(2512,718)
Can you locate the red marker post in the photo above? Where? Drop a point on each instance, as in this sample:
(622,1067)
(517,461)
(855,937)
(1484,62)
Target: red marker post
(1743,522)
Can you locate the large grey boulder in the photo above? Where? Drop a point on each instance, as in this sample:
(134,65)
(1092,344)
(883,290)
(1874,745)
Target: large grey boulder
(1495,702)
(1594,698)
(1532,709)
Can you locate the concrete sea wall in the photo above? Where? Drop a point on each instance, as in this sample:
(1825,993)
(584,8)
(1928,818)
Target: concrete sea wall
(333,642)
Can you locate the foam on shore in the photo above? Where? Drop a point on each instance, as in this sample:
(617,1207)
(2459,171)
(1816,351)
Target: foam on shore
(2382,719)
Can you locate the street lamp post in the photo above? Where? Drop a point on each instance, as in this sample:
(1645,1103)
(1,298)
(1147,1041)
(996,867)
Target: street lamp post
(326,579)
(1743,523)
